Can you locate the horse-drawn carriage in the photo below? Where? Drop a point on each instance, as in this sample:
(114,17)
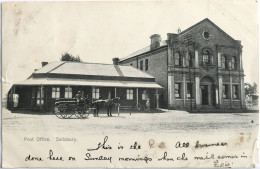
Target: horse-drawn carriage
(66,108)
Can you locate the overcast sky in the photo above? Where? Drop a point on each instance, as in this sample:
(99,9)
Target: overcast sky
(98,31)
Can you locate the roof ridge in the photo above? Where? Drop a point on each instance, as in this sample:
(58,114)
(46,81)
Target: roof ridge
(57,66)
(94,63)
(129,56)
(137,52)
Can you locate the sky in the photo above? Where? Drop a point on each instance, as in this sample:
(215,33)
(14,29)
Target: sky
(99,31)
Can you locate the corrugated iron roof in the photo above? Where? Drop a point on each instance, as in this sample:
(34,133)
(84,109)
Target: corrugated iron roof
(141,51)
(96,69)
(83,82)
(49,67)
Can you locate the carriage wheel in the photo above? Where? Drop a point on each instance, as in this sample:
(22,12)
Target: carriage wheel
(85,112)
(77,112)
(57,112)
(65,111)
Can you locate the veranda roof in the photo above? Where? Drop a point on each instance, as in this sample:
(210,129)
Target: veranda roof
(83,82)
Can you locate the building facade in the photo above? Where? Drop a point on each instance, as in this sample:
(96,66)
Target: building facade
(59,80)
(200,67)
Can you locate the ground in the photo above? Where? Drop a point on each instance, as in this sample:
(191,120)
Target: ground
(155,133)
(172,121)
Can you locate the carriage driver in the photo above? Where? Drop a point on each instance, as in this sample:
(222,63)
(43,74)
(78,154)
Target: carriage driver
(78,97)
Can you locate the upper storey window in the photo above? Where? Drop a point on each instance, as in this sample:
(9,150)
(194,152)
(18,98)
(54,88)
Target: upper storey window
(224,62)
(207,58)
(189,60)
(141,65)
(146,65)
(234,63)
(177,59)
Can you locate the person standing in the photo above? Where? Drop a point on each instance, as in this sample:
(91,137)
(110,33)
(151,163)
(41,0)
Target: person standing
(98,104)
(148,105)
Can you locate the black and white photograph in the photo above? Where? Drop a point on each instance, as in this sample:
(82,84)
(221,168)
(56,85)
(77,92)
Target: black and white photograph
(130,84)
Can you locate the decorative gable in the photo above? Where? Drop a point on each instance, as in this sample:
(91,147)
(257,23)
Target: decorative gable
(207,33)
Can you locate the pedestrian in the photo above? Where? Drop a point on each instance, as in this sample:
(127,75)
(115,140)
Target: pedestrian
(98,104)
(148,105)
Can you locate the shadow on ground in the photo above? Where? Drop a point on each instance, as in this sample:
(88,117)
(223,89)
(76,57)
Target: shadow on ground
(114,112)
(223,111)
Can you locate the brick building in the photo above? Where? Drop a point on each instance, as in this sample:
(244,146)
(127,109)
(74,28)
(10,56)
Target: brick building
(58,80)
(200,67)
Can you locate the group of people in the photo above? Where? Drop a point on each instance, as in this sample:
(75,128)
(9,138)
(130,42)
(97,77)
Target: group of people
(96,104)
(81,99)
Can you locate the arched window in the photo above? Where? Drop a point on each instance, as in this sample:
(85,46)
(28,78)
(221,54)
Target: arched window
(189,60)
(207,58)
(177,59)
(224,62)
(234,63)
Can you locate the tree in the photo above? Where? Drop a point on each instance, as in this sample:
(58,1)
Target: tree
(68,57)
(250,89)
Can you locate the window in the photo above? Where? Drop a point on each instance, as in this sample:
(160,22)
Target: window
(234,63)
(206,34)
(109,95)
(235,91)
(177,59)
(225,91)
(141,65)
(146,65)
(68,92)
(40,97)
(55,93)
(144,95)
(95,93)
(189,60)
(177,90)
(129,94)
(207,58)
(223,62)
(189,90)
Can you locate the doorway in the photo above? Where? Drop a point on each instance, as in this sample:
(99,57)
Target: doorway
(208,91)
(204,94)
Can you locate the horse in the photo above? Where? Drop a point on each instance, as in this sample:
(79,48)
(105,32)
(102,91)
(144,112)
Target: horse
(108,103)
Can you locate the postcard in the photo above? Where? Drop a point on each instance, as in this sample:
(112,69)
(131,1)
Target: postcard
(123,84)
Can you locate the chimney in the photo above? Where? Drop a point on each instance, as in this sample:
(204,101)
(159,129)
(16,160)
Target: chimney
(115,61)
(44,63)
(171,36)
(155,41)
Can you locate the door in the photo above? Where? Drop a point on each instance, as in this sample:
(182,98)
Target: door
(40,97)
(204,94)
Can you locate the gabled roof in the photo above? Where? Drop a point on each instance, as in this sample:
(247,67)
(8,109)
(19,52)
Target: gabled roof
(92,69)
(210,22)
(147,49)
(90,74)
